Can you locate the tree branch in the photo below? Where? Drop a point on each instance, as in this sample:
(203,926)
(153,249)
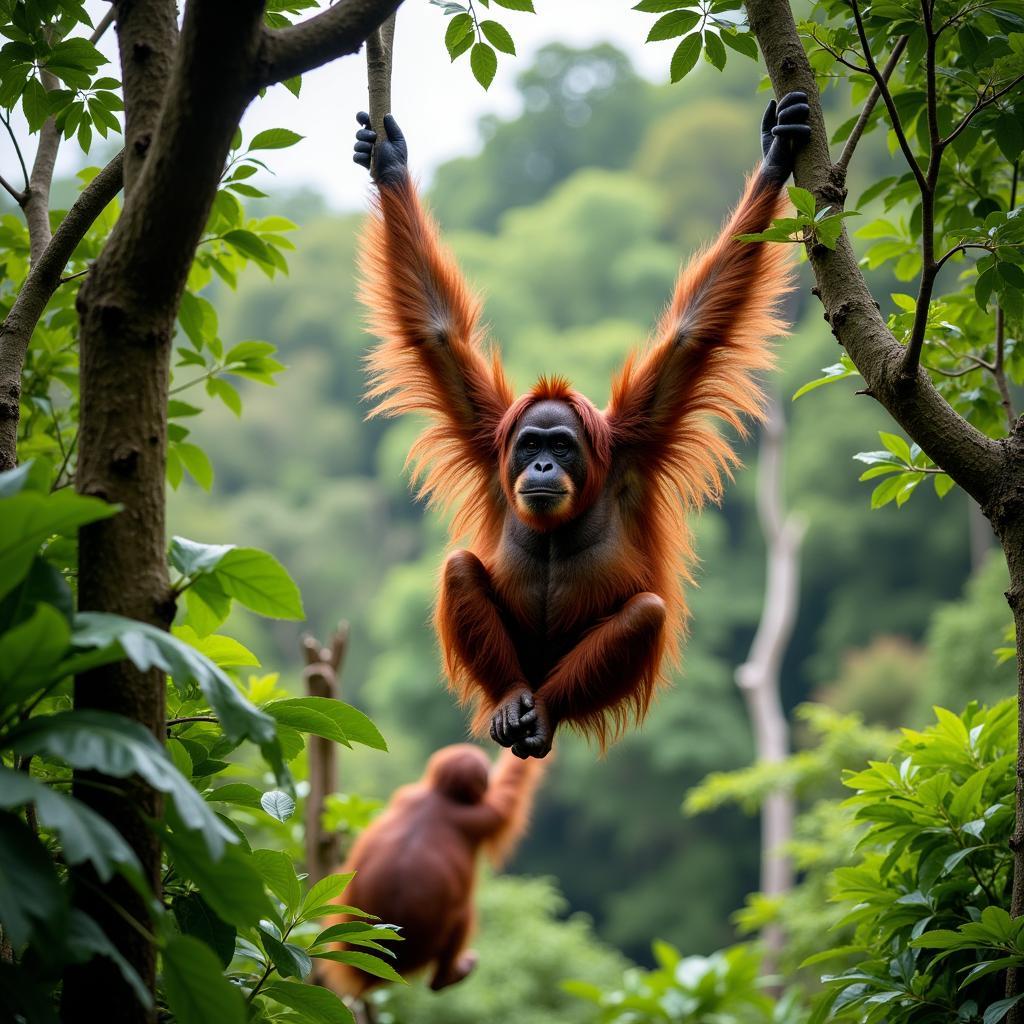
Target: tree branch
(843,163)
(43,279)
(18,197)
(975,461)
(36,206)
(17,149)
(341,29)
(890,105)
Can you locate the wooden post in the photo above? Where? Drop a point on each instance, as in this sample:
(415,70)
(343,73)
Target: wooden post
(323,668)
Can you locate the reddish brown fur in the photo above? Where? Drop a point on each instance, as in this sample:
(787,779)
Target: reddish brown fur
(655,449)
(416,864)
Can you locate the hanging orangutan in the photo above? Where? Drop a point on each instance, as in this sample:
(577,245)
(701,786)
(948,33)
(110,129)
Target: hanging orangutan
(415,865)
(568,596)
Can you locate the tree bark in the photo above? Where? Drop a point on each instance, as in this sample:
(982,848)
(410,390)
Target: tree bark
(184,98)
(990,471)
(42,281)
(759,678)
(323,669)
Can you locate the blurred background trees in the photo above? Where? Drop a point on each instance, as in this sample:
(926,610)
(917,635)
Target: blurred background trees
(575,237)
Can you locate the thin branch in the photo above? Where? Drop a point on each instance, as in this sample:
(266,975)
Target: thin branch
(954,373)
(190,718)
(846,156)
(104,23)
(18,197)
(74,277)
(999,370)
(962,247)
(17,149)
(43,279)
(980,104)
(339,30)
(890,105)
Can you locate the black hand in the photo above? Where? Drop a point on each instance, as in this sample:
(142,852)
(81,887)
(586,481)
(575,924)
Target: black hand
(513,719)
(784,130)
(390,155)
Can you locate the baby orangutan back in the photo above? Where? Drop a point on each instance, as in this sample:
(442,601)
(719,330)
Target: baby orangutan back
(416,864)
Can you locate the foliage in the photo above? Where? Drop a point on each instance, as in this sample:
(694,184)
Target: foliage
(957,102)
(927,893)
(527,948)
(723,988)
(233,925)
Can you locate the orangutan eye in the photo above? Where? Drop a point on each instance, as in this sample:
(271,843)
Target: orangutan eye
(560,447)
(531,447)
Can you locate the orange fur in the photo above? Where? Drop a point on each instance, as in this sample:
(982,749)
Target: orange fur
(416,864)
(656,447)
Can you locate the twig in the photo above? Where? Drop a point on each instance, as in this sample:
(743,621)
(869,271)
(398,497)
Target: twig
(869,105)
(105,22)
(18,197)
(980,104)
(17,148)
(962,247)
(1000,370)
(190,718)
(890,105)
(72,277)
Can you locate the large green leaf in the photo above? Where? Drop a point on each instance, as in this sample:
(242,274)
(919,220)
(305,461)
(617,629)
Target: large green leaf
(260,582)
(279,874)
(147,647)
(197,918)
(290,960)
(29,518)
(30,894)
(31,652)
(84,835)
(332,719)
(117,746)
(314,1004)
(231,885)
(196,989)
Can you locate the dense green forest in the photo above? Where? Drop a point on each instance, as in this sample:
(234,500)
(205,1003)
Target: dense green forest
(575,246)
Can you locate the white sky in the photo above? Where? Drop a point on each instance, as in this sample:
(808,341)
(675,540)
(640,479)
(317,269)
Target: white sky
(436,102)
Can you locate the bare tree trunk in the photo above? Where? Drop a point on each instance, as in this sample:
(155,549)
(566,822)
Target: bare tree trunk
(759,678)
(323,668)
(980,534)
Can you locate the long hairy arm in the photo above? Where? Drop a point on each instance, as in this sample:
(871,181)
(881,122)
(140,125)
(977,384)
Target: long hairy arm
(431,356)
(711,339)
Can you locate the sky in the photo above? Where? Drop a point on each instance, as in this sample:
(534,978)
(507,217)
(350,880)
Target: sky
(436,102)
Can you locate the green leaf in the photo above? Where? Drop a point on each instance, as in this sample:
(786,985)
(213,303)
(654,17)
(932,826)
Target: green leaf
(802,200)
(714,50)
(148,647)
(516,5)
(497,35)
(741,42)
(366,962)
(324,716)
(659,6)
(290,960)
(34,104)
(458,28)
(249,244)
(232,885)
(328,888)
(117,746)
(1009,134)
(84,835)
(31,652)
(190,557)
(197,462)
(274,138)
(311,1002)
(27,519)
(197,918)
(278,804)
(943,484)
(484,63)
(685,57)
(238,793)
(677,23)
(31,899)
(194,983)
(258,581)
(997,1011)
(278,872)
(897,445)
